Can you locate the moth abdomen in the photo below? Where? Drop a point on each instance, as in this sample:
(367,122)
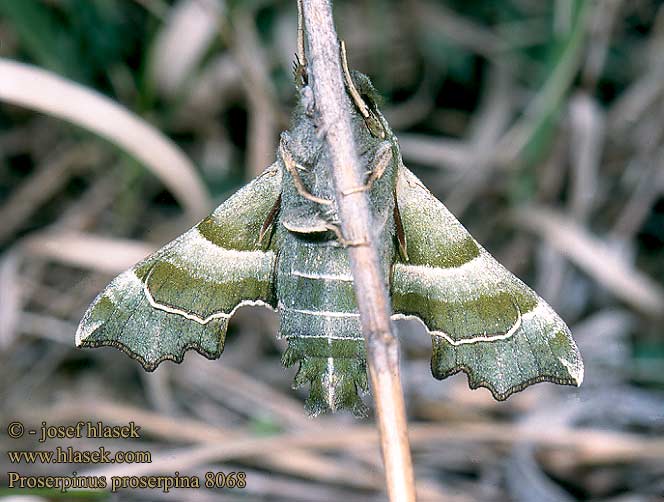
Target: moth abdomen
(334,369)
(319,318)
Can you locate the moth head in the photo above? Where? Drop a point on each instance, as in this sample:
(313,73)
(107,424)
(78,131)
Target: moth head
(372,99)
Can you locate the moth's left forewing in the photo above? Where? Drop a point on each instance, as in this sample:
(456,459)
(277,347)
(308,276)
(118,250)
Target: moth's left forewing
(483,320)
(182,296)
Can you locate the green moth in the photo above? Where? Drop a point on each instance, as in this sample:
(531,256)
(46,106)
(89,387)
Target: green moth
(277,242)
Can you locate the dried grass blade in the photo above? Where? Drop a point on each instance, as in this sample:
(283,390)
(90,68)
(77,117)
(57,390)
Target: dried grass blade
(593,256)
(87,251)
(182,42)
(44,91)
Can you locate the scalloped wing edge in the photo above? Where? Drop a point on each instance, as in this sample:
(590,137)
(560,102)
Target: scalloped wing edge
(82,341)
(575,369)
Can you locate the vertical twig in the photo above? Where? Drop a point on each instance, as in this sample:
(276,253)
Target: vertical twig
(382,347)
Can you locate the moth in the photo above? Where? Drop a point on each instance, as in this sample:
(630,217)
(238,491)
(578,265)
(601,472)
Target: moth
(277,242)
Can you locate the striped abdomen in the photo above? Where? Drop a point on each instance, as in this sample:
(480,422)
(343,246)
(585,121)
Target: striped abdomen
(320,320)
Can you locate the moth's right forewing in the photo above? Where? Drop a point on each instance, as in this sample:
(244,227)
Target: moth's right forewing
(483,320)
(183,295)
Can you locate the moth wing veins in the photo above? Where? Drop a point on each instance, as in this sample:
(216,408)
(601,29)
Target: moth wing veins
(482,319)
(182,296)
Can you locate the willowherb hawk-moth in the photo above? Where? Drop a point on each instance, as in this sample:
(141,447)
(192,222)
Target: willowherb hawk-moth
(277,243)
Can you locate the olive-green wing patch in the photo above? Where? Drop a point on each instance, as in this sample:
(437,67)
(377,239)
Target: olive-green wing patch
(483,320)
(182,296)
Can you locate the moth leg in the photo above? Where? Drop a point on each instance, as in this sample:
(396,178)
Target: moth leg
(299,73)
(342,240)
(357,99)
(401,234)
(300,63)
(292,167)
(300,66)
(271,217)
(381,161)
(301,56)
(372,122)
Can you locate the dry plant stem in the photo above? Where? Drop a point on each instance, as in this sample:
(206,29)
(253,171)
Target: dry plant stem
(382,347)
(589,446)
